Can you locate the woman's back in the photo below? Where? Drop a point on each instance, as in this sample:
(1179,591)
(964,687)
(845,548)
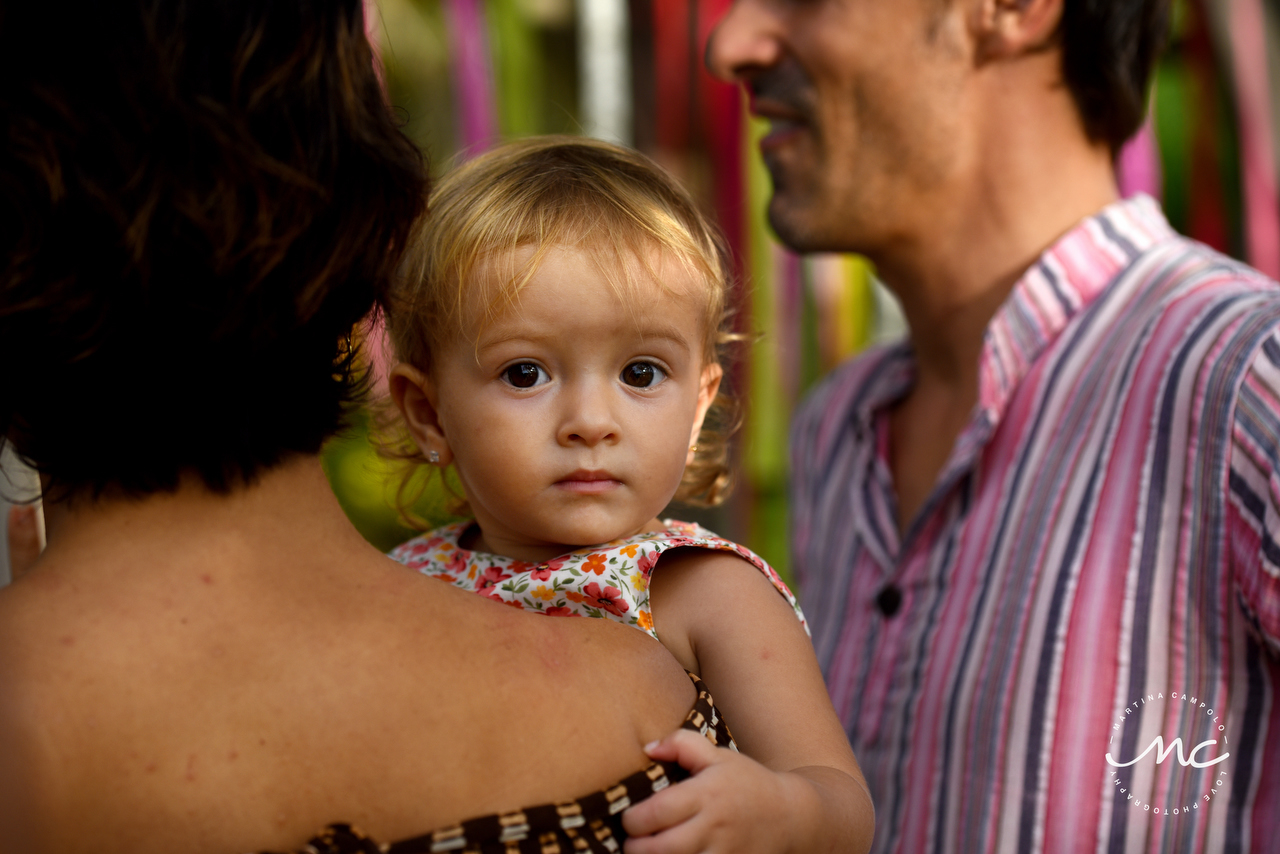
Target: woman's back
(208,657)
(226,673)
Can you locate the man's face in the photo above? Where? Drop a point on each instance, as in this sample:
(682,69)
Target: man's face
(865,100)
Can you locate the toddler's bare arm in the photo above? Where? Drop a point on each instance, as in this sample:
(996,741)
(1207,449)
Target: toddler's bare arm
(798,786)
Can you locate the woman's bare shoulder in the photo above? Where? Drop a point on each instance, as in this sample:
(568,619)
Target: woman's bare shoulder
(558,671)
(222,697)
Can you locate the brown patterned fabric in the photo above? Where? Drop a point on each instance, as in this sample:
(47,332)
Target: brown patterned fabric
(592,823)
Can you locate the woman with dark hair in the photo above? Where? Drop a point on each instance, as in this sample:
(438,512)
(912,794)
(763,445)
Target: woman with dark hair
(198,201)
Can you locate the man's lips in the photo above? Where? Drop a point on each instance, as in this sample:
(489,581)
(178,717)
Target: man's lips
(783,95)
(780,133)
(589,482)
(784,123)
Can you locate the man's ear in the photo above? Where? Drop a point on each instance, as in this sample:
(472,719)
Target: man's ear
(708,388)
(414,394)
(1009,28)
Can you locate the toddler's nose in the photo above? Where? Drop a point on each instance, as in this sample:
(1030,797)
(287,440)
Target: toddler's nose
(588,420)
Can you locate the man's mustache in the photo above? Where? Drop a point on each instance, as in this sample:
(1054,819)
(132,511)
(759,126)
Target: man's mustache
(786,84)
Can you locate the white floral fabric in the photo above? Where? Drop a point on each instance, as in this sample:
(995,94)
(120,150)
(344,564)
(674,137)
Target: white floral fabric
(610,581)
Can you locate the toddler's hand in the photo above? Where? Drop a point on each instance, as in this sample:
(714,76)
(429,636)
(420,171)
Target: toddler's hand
(731,804)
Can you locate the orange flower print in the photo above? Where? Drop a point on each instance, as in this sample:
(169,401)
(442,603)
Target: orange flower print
(609,599)
(629,551)
(573,596)
(595,563)
(545,593)
(645,620)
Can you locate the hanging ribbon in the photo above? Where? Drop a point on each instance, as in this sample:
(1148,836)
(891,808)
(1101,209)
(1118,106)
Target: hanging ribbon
(471,75)
(1257,148)
(1138,165)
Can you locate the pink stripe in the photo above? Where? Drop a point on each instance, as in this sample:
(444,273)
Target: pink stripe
(472,79)
(1248,35)
(1012,433)
(1073,800)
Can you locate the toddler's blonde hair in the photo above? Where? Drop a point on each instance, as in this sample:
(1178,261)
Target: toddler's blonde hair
(612,203)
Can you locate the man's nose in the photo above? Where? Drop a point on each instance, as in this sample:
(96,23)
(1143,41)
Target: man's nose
(745,39)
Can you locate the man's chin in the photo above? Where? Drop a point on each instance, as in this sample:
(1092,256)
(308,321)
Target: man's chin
(797,225)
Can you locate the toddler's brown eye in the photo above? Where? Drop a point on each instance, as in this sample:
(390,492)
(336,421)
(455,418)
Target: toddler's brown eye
(523,375)
(642,375)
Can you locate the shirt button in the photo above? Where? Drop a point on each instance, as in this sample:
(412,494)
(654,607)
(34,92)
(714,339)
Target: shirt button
(889,600)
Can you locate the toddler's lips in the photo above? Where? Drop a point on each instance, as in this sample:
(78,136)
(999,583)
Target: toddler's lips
(586,482)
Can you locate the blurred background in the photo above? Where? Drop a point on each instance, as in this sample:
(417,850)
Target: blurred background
(464,74)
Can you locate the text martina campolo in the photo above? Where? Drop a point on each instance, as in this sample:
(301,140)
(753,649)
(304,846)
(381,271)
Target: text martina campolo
(1163,752)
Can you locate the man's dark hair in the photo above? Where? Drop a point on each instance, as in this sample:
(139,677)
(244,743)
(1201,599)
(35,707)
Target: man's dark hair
(199,199)
(1109,52)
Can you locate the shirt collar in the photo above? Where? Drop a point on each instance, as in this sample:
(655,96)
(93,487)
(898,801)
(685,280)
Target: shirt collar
(1066,278)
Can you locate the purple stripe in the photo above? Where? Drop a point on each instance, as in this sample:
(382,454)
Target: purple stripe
(1250,731)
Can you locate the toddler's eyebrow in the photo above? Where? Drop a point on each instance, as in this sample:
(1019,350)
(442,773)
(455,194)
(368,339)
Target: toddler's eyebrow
(496,335)
(667,333)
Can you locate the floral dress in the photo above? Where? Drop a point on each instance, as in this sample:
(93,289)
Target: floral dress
(609,581)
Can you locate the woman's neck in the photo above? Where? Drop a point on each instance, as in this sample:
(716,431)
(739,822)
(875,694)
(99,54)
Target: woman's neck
(288,501)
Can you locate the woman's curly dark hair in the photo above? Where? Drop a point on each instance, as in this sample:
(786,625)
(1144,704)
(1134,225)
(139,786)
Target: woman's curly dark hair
(1109,52)
(198,200)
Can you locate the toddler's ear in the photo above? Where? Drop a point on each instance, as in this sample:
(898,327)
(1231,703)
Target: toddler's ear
(414,394)
(708,387)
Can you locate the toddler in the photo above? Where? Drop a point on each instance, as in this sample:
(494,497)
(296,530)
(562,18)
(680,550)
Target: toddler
(558,335)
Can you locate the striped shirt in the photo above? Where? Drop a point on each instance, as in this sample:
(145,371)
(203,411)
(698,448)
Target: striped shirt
(1096,566)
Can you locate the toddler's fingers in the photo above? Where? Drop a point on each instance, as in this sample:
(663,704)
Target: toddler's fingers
(687,748)
(684,838)
(671,807)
